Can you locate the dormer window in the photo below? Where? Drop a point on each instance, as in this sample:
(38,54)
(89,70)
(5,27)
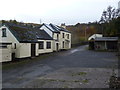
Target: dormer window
(4,32)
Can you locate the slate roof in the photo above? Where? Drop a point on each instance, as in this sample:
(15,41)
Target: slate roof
(106,39)
(58,28)
(51,28)
(27,34)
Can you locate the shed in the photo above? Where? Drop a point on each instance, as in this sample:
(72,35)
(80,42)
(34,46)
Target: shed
(106,43)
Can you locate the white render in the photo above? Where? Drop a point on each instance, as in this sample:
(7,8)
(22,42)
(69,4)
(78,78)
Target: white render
(22,50)
(67,45)
(45,50)
(5,54)
(58,39)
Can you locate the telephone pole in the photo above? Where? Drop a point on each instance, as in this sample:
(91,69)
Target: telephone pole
(40,21)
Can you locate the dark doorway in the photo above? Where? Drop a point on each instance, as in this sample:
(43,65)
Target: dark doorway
(13,56)
(91,45)
(57,47)
(33,50)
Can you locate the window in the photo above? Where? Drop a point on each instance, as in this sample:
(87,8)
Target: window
(63,44)
(48,45)
(57,36)
(41,45)
(3,32)
(3,45)
(15,46)
(63,35)
(67,36)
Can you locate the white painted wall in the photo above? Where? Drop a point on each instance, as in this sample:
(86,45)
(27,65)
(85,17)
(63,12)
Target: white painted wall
(67,45)
(5,54)
(45,50)
(10,37)
(56,40)
(53,35)
(23,50)
(37,52)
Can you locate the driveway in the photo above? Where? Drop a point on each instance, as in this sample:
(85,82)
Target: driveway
(76,68)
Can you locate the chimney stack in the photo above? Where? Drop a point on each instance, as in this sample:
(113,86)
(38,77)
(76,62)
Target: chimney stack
(63,25)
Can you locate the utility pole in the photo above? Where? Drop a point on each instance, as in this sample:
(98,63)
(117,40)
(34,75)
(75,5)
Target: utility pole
(40,21)
(86,33)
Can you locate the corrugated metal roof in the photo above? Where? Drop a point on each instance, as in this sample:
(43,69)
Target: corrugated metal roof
(106,39)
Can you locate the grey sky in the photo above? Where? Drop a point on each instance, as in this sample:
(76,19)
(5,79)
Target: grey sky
(54,11)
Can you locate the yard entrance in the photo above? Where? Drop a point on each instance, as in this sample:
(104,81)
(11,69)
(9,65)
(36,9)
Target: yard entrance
(33,47)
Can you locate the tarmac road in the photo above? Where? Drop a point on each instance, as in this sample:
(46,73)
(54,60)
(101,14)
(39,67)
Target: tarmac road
(78,58)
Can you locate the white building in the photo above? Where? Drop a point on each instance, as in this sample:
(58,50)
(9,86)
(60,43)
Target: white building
(20,42)
(95,36)
(61,36)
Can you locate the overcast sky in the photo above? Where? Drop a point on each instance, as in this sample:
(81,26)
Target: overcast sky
(54,11)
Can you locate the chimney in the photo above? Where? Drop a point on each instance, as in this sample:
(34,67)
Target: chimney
(63,25)
(119,5)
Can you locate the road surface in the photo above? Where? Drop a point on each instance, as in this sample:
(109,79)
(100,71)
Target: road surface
(74,60)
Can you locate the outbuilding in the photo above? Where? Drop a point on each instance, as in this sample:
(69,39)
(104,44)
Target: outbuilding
(106,43)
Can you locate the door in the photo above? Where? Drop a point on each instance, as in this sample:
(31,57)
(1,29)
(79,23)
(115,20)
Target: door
(57,47)
(33,50)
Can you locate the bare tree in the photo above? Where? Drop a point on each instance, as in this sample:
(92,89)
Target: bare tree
(110,14)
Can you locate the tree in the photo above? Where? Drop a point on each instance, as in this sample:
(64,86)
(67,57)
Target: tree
(110,14)
(107,21)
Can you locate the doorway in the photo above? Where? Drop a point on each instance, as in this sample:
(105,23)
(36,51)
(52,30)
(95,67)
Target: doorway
(33,50)
(57,46)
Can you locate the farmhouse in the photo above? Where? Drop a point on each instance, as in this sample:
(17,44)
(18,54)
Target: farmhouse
(61,36)
(18,41)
